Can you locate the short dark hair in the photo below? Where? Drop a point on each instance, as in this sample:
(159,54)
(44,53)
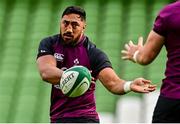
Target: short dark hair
(76,10)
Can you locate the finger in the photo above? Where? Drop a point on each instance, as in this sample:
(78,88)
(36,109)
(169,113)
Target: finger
(125,58)
(127,46)
(151,86)
(150,89)
(131,43)
(145,81)
(93,82)
(93,78)
(140,41)
(124,52)
(145,90)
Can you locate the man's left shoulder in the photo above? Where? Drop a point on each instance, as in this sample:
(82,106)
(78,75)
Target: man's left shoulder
(88,43)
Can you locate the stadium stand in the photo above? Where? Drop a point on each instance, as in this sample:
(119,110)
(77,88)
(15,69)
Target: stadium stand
(136,26)
(2,15)
(24,98)
(109,42)
(92,27)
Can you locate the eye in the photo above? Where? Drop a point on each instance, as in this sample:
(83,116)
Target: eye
(75,25)
(65,23)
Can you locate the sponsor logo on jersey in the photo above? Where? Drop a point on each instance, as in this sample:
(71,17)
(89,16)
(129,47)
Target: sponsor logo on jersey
(42,51)
(59,56)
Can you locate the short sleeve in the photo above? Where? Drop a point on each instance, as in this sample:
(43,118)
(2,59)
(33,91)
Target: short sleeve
(45,47)
(98,61)
(160,23)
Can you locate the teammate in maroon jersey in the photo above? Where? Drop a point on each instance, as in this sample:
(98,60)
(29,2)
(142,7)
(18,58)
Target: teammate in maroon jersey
(166,32)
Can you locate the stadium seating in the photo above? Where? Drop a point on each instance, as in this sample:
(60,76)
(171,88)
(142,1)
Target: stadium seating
(92,19)
(136,23)
(109,41)
(25,98)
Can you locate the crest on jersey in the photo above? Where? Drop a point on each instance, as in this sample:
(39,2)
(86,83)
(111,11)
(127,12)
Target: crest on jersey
(76,61)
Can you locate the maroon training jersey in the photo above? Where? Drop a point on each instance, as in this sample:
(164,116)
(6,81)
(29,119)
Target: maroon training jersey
(84,53)
(167,24)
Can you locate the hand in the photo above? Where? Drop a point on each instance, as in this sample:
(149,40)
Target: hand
(93,80)
(141,85)
(130,49)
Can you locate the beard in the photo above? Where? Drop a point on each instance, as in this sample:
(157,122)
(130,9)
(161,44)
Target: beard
(69,39)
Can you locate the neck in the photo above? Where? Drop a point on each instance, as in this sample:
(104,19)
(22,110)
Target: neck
(80,40)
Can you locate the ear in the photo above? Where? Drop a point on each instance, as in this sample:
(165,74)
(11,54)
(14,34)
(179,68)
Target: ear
(84,26)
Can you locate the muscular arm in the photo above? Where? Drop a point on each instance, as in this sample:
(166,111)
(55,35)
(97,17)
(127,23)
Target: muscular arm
(111,81)
(115,85)
(144,54)
(48,70)
(150,49)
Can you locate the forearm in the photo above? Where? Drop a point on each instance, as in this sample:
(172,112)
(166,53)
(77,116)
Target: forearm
(151,48)
(111,81)
(51,74)
(142,59)
(117,87)
(138,85)
(48,70)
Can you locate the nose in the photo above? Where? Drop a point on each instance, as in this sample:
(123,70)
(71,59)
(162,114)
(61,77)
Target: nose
(69,29)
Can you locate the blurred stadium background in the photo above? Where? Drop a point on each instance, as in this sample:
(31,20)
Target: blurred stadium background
(110,24)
